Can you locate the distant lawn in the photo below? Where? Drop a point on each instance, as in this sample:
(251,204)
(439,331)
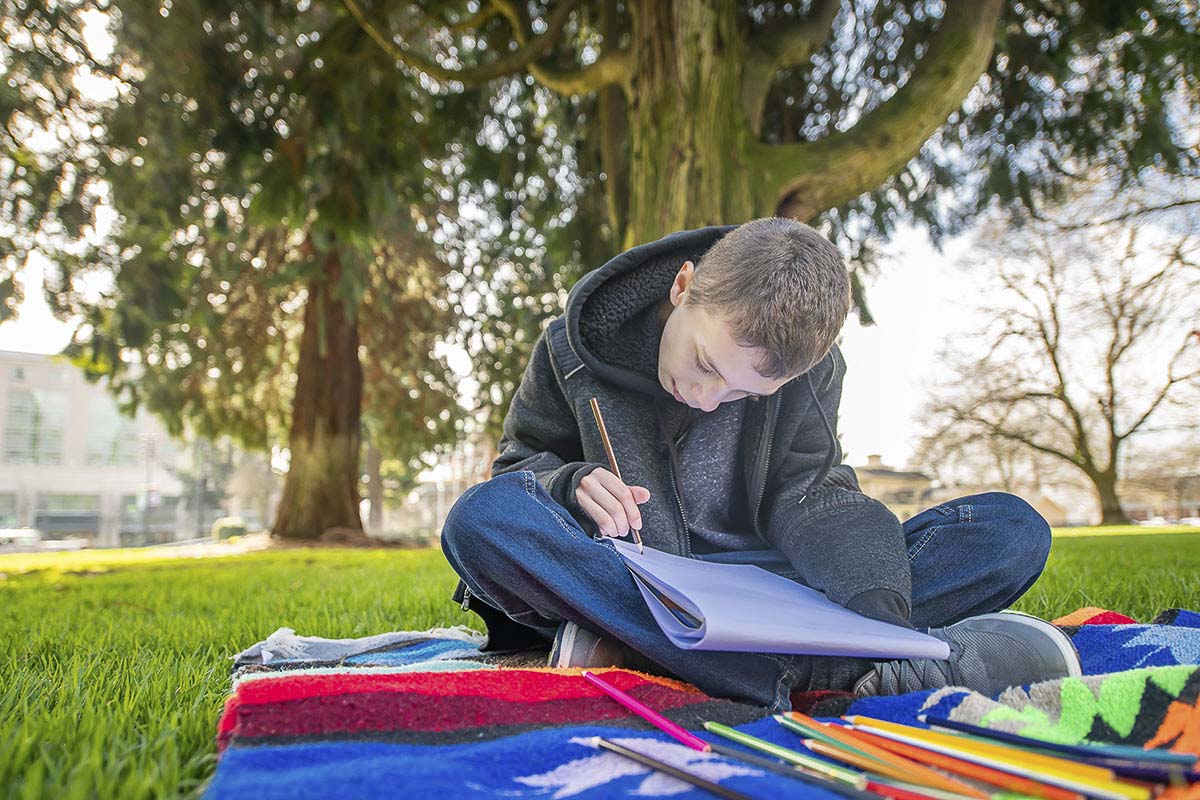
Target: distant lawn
(114,666)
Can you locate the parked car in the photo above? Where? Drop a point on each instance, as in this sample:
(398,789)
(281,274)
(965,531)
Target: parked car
(1194,521)
(20,537)
(1154,521)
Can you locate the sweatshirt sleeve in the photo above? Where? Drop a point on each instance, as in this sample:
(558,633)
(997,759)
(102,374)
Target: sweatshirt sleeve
(839,540)
(541,433)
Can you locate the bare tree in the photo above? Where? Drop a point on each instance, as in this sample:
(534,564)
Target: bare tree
(1092,334)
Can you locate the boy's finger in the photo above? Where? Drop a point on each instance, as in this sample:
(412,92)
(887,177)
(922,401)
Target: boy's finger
(603,495)
(597,513)
(622,493)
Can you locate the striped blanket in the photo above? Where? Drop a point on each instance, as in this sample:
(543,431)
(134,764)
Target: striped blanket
(426,714)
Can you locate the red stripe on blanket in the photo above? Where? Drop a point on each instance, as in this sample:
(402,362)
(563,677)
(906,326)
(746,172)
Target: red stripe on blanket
(512,685)
(395,711)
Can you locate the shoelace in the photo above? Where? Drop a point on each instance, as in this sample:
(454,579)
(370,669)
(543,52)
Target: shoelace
(897,677)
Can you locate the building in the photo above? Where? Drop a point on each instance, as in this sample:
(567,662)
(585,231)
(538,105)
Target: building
(73,466)
(904,493)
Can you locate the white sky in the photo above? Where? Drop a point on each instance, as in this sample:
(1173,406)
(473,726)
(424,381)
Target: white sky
(920,299)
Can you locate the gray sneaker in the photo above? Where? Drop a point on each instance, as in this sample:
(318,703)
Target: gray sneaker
(578,647)
(988,653)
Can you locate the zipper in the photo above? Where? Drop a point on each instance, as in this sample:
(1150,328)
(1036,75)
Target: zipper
(466,597)
(770,431)
(687,533)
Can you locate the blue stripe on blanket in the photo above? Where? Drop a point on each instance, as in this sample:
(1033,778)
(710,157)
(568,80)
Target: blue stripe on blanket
(552,763)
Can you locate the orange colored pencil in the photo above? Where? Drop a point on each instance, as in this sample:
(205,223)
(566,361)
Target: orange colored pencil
(1005,780)
(912,772)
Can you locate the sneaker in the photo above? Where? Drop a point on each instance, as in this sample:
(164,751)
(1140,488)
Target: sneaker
(578,647)
(988,654)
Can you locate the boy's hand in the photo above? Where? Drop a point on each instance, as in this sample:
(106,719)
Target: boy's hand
(610,503)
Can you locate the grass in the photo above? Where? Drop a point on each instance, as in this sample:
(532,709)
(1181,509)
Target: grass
(115,665)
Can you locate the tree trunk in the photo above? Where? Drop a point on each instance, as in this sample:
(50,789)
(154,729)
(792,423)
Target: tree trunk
(374,488)
(689,137)
(1110,504)
(321,488)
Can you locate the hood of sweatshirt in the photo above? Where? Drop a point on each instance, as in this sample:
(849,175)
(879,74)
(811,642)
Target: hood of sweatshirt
(613,313)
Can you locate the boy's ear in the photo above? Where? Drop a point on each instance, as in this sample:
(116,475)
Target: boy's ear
(683,279)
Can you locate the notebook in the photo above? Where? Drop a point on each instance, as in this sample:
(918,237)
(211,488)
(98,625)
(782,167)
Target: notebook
(702,605)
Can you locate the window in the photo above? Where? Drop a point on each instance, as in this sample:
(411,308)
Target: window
(112,437)
(33,426)
(69,514)
(8,510)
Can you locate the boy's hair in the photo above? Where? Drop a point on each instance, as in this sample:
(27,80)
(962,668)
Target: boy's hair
(780,287)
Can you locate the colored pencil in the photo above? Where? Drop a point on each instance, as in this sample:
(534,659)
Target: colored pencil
(897,792)
(876,769)
(901,768)
(612,460)
(670,769)
(849,776)
(996,777)
(916,788)
(650,715)
(1088,750)
(791,771)
(1108,790)
(1056,763)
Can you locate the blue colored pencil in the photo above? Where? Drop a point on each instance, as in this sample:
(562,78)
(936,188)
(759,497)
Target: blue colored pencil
(1094,750)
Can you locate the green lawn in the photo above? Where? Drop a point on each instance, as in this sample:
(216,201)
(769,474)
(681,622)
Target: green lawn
(114,666)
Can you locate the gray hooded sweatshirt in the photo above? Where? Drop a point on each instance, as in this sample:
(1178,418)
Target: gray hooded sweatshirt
(753,474)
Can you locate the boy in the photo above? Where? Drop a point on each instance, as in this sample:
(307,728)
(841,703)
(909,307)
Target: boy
(711,353)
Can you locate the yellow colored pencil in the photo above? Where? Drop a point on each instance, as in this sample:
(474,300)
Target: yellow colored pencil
(1000,752)
(903,768)
(1013,762)
(883,770)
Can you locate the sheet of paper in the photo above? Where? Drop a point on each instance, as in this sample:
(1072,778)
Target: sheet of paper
(747,609)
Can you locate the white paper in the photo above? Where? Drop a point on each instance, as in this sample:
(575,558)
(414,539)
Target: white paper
(743,608)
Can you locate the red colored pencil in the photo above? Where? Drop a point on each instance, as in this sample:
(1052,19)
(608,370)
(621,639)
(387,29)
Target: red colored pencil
(887,790)
(1005,780)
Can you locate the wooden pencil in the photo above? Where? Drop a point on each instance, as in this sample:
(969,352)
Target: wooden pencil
(908,770)
(996,777)
(612,460)
(671,769)
(1088,785)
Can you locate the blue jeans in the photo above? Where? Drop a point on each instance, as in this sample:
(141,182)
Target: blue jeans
(520,551)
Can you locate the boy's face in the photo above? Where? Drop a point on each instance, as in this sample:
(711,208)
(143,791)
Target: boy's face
(698,361)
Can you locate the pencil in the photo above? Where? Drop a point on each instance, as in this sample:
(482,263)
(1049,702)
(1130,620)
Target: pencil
(849,776)
(670,769)
(791,771)
(612,461)
(1088,785)
(907,791)
(996,777)
(1089,750)
(650,715)
(899,767)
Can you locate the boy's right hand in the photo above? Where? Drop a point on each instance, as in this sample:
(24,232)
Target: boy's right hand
(611,504)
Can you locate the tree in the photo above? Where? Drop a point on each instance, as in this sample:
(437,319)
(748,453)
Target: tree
(1092,340)
(270,271)
(864,112)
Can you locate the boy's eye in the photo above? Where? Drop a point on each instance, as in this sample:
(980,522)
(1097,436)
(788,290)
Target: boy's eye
(700,366)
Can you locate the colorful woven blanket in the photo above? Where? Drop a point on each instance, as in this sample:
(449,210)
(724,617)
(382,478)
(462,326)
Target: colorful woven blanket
(427,715)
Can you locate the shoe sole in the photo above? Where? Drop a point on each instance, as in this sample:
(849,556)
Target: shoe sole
(1062,642)
(565,644)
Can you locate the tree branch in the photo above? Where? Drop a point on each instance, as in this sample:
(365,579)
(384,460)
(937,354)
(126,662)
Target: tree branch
(528,51)
(780,47)
(803,179)
(1128,215)
(610,69)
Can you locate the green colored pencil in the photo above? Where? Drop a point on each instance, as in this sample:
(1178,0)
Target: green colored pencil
(855,779)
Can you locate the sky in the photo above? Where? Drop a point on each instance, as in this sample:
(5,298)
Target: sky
(919,300)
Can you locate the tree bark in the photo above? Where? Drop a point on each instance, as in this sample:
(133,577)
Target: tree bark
(374,489)
(695,106)
(688,133)
(1111,512)
(321,488)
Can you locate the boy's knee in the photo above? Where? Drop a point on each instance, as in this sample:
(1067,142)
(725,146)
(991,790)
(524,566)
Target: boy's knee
(1025,534)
